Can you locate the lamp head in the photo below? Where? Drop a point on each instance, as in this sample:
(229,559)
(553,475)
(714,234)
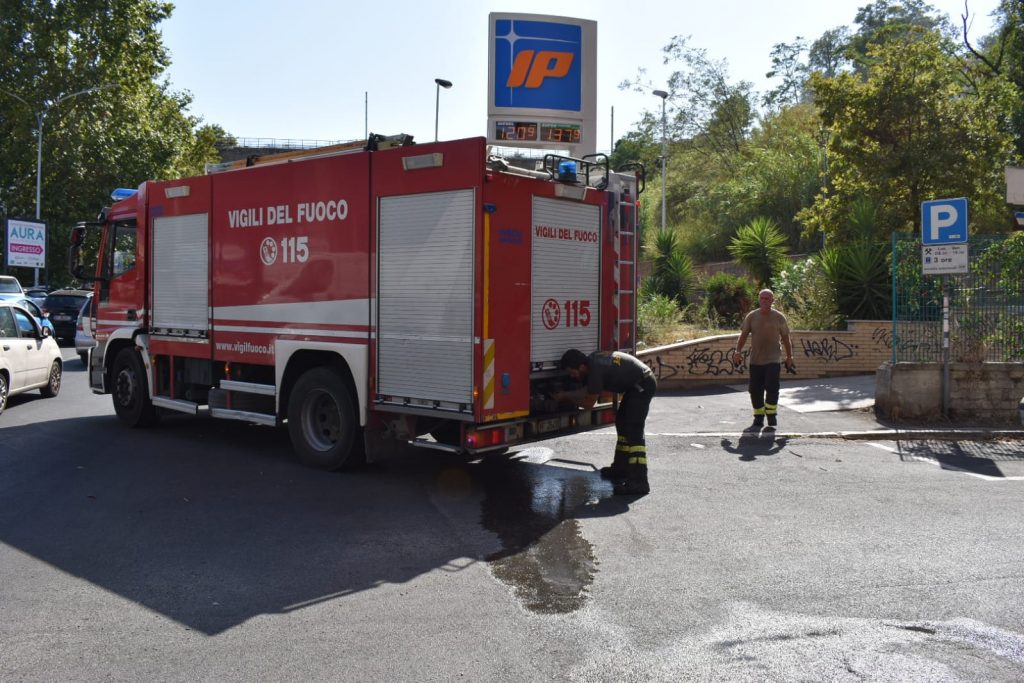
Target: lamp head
(661,93)
(443,83)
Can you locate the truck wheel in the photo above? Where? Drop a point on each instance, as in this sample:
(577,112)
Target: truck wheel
(131,391)
(322,422)
(52,387)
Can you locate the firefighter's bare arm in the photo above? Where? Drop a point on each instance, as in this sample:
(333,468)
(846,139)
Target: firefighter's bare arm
(580,397)
(737,356)
(787,344)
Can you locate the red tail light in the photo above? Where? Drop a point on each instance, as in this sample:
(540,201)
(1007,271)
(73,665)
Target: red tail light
(485,438)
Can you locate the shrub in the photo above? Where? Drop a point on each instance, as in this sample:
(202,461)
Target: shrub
(807,296)
(657,316)
(729,297)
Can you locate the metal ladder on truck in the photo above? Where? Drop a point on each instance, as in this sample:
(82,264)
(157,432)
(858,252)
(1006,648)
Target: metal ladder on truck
(372,144)
(625,226)
(625,189)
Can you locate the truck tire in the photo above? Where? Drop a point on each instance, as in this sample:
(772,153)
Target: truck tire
(322,422)
(52,387)
(130,391)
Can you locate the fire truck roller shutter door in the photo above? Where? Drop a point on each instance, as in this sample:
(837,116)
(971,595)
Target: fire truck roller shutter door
(566,279)
(425,296)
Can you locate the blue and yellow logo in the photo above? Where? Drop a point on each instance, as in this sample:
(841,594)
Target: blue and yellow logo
(537,65)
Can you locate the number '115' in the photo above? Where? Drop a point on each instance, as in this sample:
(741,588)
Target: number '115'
(577,313)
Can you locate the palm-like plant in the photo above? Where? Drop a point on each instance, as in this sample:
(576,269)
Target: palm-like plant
(860,275)
(761,247)
(673,269)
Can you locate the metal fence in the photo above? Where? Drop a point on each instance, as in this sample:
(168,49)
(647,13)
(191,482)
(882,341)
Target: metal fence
(986,304)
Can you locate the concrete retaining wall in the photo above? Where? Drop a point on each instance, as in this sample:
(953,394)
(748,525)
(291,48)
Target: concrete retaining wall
(985,392)
(858,350)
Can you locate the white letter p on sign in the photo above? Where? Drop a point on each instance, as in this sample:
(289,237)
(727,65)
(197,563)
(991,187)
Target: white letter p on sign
(943,216)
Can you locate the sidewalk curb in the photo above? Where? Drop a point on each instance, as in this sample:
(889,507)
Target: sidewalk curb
(881,434)
(965,434)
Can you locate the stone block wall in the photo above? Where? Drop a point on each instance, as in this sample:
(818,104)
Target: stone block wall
(982,392)
(858,350)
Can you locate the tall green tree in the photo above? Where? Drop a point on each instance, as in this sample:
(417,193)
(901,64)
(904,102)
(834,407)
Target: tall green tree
(132,128)
(898,21)
(827,54)
(1001,55)
(912,129)
(788,66)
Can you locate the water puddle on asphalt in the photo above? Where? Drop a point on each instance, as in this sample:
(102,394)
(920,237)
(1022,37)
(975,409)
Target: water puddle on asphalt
(529,502)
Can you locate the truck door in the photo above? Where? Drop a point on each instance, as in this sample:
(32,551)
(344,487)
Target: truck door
(425,301)
(566,279)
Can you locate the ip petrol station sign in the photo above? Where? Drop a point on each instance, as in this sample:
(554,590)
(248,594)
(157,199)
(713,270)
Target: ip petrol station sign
(944,236)
(542,82)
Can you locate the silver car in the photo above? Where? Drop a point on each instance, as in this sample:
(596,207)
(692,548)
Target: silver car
(85,337)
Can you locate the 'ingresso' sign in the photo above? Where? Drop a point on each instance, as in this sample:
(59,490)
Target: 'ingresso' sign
(26,243)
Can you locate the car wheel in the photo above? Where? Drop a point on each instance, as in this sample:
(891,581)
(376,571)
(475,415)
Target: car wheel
(322,421)
(131,391)
(52,387)
(3,391)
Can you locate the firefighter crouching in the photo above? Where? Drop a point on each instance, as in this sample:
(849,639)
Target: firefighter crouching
(621,373)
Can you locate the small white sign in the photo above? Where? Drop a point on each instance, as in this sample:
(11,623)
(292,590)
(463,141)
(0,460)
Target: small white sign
(943,259)
(1015,185)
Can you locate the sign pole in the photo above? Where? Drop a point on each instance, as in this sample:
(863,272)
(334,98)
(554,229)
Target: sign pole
(945,347)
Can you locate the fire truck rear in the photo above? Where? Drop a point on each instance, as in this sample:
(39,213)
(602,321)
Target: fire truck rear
(357,295)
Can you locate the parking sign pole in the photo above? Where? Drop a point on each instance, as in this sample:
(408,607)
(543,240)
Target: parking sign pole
(945,346)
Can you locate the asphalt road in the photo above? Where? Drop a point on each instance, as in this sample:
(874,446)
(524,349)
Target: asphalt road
(200,550)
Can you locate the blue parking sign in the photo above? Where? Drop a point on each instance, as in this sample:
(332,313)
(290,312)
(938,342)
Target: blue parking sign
(944,221)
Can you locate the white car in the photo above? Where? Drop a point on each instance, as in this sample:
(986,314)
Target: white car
(29,355)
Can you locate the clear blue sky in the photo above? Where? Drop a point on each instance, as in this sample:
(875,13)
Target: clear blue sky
(305,69)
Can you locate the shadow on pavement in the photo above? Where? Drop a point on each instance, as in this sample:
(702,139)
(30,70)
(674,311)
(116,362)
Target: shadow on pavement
(211,523)
(752,445)
(963,456)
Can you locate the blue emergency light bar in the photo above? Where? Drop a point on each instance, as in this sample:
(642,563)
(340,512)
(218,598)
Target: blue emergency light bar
(123,193)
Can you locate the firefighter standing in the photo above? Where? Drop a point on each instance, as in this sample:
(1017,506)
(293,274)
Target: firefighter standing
(766,327)
(620,373)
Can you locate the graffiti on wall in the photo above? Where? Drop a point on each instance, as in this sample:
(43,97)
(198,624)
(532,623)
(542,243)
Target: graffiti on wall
(708,361)
(701,361)
(912,341)
(830,350)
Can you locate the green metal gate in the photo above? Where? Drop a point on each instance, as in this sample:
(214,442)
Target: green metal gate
(986,304)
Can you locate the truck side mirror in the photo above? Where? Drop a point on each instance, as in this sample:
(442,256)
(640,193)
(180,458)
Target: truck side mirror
(77,236)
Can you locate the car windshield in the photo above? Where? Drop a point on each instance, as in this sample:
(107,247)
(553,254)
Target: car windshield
(64,301)
(8,285)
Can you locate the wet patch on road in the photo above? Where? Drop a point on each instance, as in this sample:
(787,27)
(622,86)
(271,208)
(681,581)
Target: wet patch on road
(529,503)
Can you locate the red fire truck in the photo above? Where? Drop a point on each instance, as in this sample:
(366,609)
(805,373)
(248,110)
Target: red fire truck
(389,291)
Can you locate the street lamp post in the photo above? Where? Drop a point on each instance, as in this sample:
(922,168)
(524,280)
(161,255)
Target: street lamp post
(441,83)
(664,153)
(40,117)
